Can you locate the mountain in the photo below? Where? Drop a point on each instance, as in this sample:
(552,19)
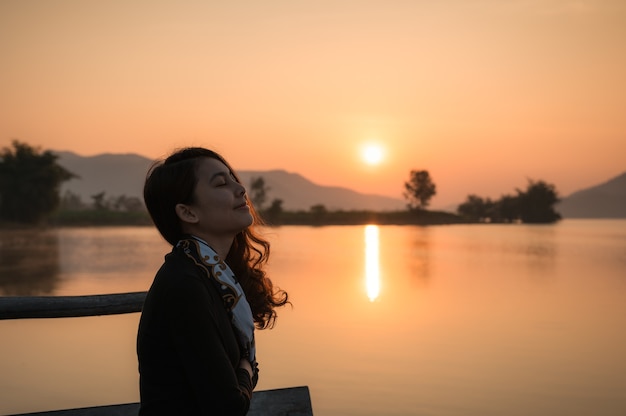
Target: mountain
(115,174)
(606,200)
(298,193)
(124,174)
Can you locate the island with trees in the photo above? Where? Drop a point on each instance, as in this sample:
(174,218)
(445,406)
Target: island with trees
(31,179)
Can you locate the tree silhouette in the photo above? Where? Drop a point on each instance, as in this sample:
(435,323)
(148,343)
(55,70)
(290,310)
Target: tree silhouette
(476,208)
(275,210)
(258,192)
(99,201)
(71,201)
(419,189)
(318,213)
(536,205)
(30,182)
(506,209)
(127,203)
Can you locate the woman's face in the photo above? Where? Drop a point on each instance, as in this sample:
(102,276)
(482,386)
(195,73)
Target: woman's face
(220,204)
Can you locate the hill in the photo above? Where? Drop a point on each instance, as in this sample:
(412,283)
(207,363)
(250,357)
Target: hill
(606,200)
(115,174)
(299,193)
(123,174)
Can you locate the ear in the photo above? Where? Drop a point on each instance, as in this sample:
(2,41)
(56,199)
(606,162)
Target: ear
(186,214)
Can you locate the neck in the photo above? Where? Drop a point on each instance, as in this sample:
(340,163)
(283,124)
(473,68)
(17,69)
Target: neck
(220,246)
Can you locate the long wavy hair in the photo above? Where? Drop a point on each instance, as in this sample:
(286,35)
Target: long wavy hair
(172,181)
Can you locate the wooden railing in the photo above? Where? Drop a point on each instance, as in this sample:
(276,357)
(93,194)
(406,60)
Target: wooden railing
(21,307)
(292,401)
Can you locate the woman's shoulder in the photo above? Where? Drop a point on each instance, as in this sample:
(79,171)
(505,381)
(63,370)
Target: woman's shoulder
(181,291)
(178,273)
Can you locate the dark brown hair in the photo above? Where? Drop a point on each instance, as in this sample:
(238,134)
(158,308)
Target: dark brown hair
(172,181)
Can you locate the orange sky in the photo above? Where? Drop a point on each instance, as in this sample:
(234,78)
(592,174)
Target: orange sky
(481,93)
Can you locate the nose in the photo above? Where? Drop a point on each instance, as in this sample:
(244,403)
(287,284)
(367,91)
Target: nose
(241,190)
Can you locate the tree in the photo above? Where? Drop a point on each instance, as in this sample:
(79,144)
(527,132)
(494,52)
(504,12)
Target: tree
(99,201)
(30,182)
(318,213)
(275,210)
(318,209)
(71,201)
(258,192)
(536,205)
(127,203)
(506,209)
(476,208)
(419,189)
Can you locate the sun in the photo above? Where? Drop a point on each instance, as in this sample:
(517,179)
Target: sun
(373,154)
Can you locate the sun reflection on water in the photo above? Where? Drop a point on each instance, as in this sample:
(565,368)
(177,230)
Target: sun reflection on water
(372,264)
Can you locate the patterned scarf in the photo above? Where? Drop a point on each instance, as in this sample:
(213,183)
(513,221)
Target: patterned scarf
(229,288)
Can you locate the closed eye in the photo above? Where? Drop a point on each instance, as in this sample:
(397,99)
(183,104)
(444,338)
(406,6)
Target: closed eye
(223,178)
(219,179)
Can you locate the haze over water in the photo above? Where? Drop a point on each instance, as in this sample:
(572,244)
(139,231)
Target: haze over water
(387,320)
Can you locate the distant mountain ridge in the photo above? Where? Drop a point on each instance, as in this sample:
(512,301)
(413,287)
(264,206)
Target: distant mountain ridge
(115,174)
(124,174)
(606,200)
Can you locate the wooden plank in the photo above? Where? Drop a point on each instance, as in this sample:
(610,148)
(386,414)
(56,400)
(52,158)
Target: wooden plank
(292,401)
(113,410)
(19,307)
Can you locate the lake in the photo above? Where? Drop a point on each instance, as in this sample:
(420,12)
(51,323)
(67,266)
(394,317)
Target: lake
(468,320)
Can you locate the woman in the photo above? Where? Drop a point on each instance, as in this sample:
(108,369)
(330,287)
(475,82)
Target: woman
(195,341)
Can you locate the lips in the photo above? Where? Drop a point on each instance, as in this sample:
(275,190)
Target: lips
(242,205)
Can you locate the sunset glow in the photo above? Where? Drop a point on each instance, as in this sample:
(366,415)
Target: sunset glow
(373,154)
(372,264)
(483,95)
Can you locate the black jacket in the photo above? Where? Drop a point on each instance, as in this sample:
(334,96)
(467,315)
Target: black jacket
(187,350)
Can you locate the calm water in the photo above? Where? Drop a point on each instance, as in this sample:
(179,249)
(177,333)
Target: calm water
(391,320)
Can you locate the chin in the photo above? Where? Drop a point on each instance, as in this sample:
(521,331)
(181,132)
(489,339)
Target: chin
(249,221)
